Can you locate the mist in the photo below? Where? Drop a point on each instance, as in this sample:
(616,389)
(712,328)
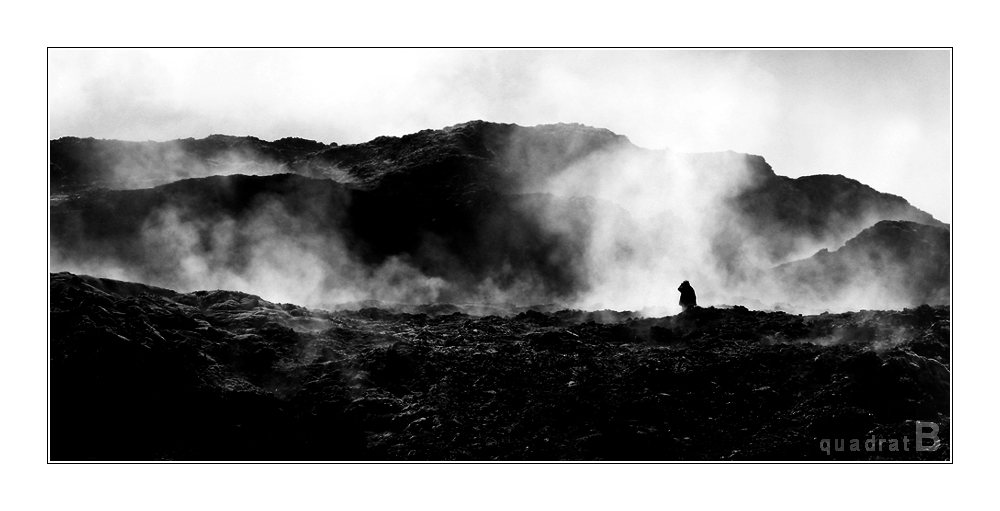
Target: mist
(265,251)
(637,260)
(556,214)
(663,217)
(312,242)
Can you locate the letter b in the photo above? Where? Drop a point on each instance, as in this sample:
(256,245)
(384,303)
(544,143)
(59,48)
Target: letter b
(933,435)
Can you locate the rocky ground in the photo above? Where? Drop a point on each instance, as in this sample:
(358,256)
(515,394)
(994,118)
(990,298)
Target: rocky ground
(144,373)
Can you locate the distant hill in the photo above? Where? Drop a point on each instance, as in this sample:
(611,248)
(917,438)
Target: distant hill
(476,210)
(891,262)
(77,164)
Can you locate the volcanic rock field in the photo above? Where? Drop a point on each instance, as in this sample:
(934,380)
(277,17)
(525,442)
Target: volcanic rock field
(142,373)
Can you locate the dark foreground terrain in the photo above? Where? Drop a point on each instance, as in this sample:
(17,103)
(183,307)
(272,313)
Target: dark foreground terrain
(144,373)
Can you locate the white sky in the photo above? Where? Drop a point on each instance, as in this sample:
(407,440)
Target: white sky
(882,117)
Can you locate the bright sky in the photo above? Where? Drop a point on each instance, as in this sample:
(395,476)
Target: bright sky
(881,117)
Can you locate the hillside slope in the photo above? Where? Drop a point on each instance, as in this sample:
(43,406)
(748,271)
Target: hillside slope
(474,212)
(889,260)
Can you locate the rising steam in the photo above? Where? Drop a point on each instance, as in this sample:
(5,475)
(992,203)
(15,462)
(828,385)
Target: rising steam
(623,226)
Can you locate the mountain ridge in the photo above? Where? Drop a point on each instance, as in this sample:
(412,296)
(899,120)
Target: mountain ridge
(477,205)
(476,139)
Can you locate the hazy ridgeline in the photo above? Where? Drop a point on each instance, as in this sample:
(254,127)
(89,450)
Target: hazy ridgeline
(484,212)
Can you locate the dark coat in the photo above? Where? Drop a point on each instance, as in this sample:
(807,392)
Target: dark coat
(688,298)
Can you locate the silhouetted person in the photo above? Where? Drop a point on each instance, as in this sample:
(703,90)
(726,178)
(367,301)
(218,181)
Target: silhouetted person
(688,299)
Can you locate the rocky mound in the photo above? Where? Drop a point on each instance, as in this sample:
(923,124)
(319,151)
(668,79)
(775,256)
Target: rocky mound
(885,263)
(830,208)
(139,373)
